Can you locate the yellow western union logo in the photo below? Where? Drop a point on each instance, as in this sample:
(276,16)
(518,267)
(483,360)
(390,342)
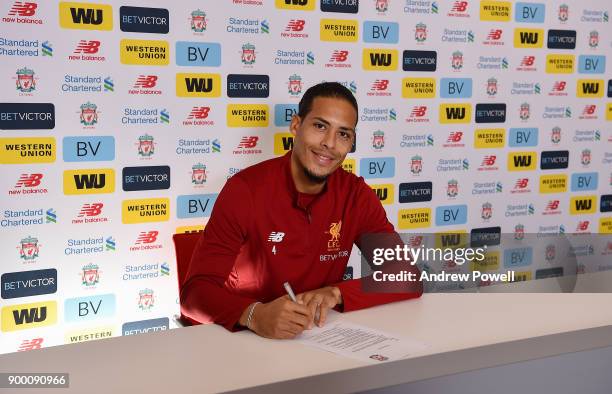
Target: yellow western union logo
(306,5)
(559,64)
(455,113)
(145,52)
(247,115)
(418,87)
(85,16)
(590,88)
(489,138)
(522,276)
(380,59)
(90,334)
(145,210)
(495,11)
(27,150)
(23,316)
(198,85)
(349,165)
(339,30)
(528,38)
(605,225)
(522,161)
(489,263)
(91,181)
(553,183)
(583,204)
(451,240)
(384,193)
(609,111)
(283,143)
(414,218)
(189,229)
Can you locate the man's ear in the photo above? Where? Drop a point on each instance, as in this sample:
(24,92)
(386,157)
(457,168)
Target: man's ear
(295,124)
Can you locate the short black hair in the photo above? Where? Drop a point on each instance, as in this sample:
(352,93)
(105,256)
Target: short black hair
(325,89)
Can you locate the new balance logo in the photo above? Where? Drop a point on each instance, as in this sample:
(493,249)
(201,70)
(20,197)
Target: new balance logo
(295,25)
(23,9)
(199,113)
(88,47)
(146,81)
(248,142)
(29,180)
(339,56)
(380,84)
(147,237)
(276,236)
(91,209)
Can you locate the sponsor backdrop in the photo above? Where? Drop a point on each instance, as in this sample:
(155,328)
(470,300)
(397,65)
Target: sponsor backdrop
(120,122)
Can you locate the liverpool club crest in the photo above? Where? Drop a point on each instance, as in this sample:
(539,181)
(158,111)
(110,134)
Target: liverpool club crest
(492,86)
(198,21)
(89,114)
(555,136)
(248,54)
(452,188)
(585,158)
(146,299)
(295,85)
(146,146)
(382,5)
(90,275)
(593,39)
(198,174)
(416,164)
(457,61)
(487,211)
(563,13)
(420,32)
(25,80)
(519,232)
(378,139)
(29,248)
(525,112)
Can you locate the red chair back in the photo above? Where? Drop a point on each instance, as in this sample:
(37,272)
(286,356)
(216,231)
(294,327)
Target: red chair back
(184,245)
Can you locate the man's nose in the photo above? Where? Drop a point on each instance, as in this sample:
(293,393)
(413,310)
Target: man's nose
(329,139)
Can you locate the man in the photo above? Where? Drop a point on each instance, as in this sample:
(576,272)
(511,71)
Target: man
(289,219)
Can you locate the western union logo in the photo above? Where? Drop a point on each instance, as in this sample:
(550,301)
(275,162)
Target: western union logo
(495,11)
(528,38)
(380,59)
(489,263)
(455,113)
(522,161)
(247,115)
(189,229)
(145,52)
(93,181)
(145,210)
(605,225)
(198,85)
(86,16)
(384,193)
(283,143)
(339,30)
(88,335)
(418,87)
(305,5)
(522,276)
(553,183)
(583,204)
(489,138)
(349,165)
(27,150)
(609,111)
(590,88)
(23,316)
(560,64)
(414,218)
(452,239)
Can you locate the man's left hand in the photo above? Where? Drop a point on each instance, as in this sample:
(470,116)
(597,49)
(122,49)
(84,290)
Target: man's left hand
(322,300)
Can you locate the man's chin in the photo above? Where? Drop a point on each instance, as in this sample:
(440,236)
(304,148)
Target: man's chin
(315,177)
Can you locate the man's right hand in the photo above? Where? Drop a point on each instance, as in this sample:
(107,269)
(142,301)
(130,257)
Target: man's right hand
(280,319)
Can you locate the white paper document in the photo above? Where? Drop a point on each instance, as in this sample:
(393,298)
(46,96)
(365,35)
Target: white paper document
(356,341)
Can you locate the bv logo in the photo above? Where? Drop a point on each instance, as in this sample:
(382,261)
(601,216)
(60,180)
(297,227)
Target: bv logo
(85,16)
(23,316)
(94,181)
(380,59)
(198,85)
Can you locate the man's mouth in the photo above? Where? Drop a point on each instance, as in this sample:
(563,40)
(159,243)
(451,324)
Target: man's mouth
(323,159)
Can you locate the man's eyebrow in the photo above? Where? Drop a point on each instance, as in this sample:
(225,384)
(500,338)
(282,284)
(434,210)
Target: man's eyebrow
(327,123)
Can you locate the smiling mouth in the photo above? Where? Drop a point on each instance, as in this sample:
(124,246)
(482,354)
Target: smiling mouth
(323,159)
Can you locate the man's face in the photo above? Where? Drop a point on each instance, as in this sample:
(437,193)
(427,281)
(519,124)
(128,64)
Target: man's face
(324,137)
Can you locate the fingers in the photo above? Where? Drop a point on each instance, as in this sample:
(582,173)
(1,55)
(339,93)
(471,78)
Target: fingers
(323,309)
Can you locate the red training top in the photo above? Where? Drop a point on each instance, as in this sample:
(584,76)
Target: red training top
(263,232)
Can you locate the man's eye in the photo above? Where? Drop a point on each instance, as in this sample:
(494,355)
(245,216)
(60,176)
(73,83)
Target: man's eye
(319,126)
(345,135)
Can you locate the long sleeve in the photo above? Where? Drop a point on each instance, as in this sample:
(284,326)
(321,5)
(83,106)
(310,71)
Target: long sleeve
(374,220)
(205,296)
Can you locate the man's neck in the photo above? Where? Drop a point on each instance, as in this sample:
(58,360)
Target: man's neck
(302,182)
